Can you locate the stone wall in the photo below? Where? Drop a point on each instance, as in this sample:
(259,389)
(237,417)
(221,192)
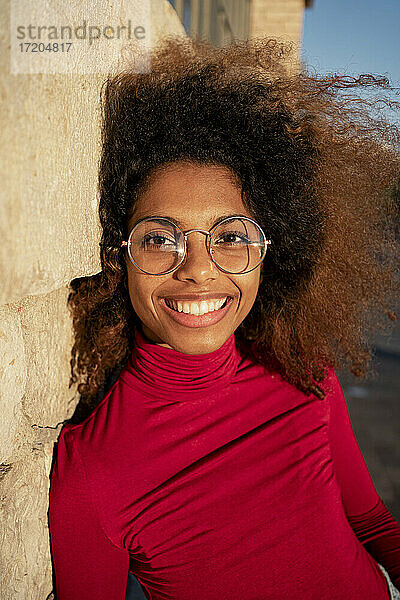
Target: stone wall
(49,232)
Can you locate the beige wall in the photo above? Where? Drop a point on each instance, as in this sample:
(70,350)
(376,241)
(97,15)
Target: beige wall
(282,18)
(49,231)
(225,20)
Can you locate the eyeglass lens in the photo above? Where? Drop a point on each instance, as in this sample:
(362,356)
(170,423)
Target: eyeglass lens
(236,245)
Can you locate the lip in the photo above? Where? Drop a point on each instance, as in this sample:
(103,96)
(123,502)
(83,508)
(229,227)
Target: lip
(197,297)
(205,320)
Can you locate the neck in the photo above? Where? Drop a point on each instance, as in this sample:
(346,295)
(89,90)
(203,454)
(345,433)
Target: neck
(166,373)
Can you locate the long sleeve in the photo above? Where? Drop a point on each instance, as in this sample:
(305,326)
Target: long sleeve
(87,565)
(368,516)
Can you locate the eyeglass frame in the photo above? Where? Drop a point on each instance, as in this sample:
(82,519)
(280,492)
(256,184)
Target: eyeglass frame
(208,236)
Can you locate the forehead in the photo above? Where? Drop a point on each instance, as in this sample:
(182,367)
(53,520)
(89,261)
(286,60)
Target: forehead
(190,194)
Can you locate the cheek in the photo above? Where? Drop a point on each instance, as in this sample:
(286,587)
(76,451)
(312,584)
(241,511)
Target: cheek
(253,285)
(249,289)
(139,293)
(142,288)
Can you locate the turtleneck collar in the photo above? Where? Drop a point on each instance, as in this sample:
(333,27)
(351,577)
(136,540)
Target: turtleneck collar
(165,372)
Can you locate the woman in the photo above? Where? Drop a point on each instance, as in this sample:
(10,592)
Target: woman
(248,244)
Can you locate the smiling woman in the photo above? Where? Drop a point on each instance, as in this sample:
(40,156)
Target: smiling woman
(196,196)
(249,243)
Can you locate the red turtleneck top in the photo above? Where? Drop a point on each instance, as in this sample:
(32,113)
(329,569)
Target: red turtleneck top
(208,477)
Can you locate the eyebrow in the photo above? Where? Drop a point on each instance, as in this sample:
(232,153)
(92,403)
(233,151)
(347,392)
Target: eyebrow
(180,224)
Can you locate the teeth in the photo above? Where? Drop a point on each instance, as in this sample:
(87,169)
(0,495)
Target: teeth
(196,308)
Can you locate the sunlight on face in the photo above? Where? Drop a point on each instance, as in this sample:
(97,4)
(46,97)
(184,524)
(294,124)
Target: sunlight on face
(196,197)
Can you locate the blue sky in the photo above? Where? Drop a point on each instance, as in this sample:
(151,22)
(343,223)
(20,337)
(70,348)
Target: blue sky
(355,36)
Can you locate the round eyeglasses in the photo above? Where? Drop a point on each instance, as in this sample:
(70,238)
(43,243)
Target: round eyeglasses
(156,245)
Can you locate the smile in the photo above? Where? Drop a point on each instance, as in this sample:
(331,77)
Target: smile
(196,308)
(197,314)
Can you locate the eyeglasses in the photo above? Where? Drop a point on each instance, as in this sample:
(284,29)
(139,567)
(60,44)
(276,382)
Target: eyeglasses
(157,245)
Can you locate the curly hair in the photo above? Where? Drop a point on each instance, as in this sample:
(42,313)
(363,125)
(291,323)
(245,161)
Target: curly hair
(318,165)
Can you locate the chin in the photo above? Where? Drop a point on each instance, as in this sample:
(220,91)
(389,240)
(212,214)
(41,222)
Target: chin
(197,341)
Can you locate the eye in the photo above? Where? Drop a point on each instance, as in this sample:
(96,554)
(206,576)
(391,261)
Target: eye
(232,238)
(157,240)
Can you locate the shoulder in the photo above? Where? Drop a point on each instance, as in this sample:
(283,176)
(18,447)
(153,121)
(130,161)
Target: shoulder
(331,384)
(334,393)
(99,425)
(75,444)
(339,419)
(92,449)
(72,468)
(66,451)
(67,477)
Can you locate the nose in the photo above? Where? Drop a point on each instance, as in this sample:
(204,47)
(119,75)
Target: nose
(197,266)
